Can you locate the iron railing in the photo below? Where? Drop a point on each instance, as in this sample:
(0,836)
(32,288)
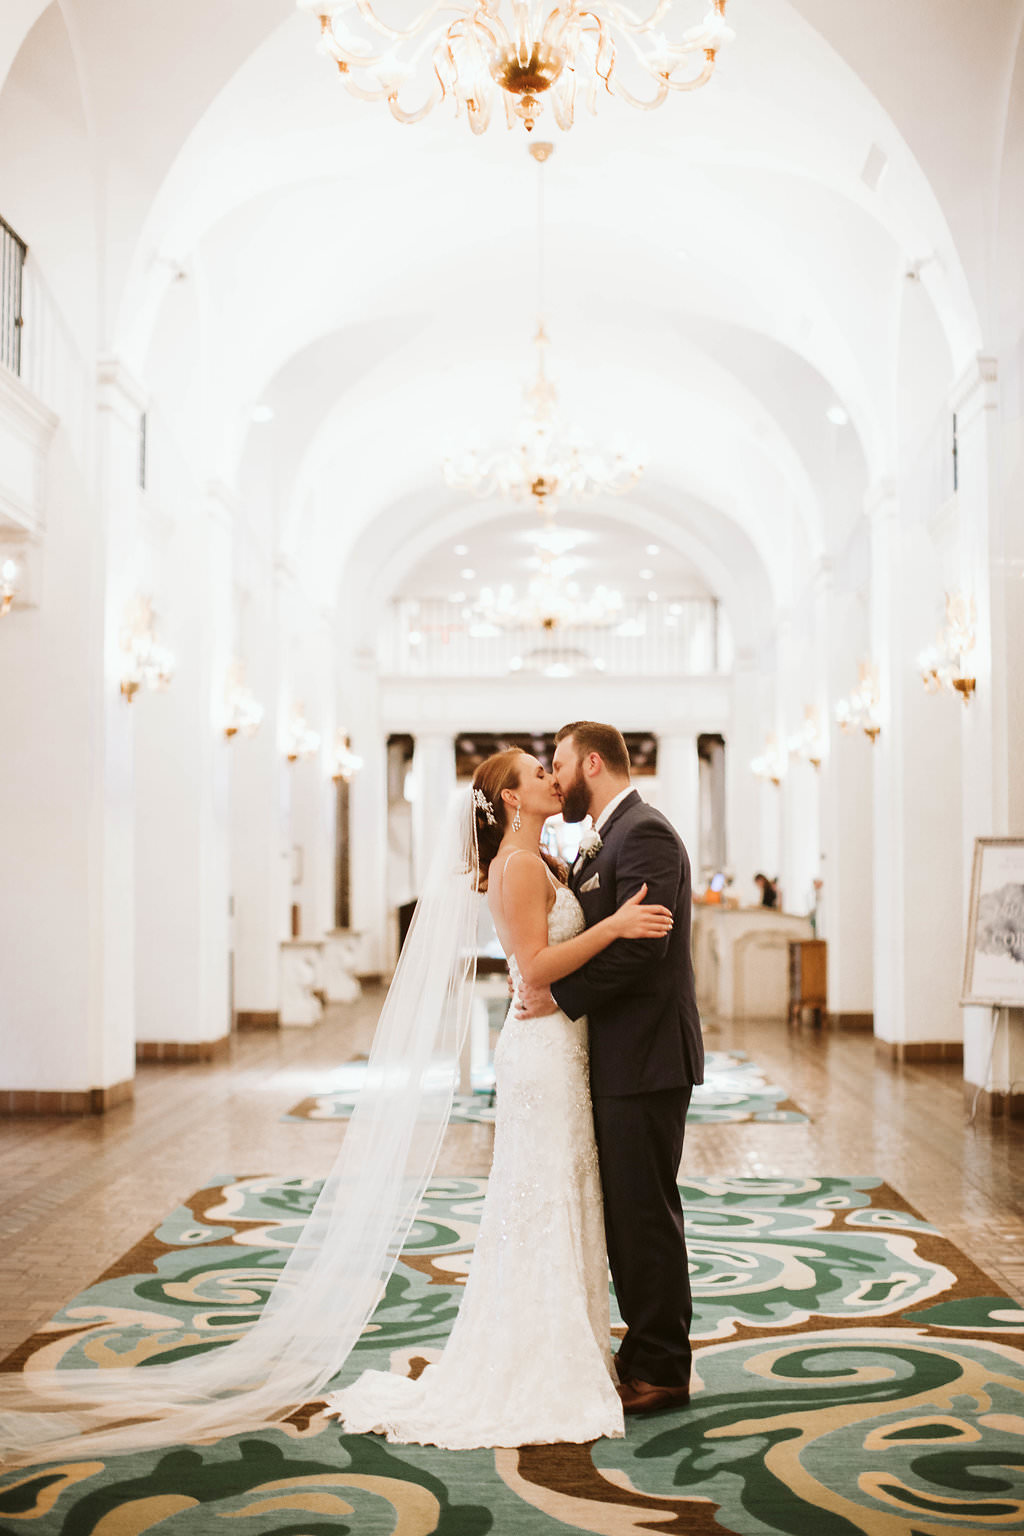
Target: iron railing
(12,262)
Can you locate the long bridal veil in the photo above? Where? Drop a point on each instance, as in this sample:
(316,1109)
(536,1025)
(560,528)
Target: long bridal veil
(337,1271)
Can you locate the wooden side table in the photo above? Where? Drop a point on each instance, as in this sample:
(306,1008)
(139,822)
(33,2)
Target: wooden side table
(808,978)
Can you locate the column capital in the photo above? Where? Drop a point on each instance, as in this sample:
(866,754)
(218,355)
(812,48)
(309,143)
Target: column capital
(975,391)
(119,391)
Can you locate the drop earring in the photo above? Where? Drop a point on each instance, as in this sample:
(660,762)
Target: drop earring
(517,821)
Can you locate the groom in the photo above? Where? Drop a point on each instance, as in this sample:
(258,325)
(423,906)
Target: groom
(646,1054)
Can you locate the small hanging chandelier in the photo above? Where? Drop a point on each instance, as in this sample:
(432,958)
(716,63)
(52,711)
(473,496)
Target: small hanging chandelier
(547,466)
(551,601)
(524,51)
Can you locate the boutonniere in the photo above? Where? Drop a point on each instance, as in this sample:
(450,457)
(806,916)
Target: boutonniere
(590,843)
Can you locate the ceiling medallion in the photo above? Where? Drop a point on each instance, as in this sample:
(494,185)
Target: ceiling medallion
(524,51)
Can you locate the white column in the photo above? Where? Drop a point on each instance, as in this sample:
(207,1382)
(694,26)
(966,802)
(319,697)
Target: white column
(433,773)
(847,907)
(743,792)
(368,813)
(66,909)
(916,857)
(992,730)
(679,779)
(182,819)
(260,788)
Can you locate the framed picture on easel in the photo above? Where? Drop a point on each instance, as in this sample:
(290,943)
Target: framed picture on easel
(994,963)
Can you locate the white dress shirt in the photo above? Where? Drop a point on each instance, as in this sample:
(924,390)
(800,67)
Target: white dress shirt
(610,807)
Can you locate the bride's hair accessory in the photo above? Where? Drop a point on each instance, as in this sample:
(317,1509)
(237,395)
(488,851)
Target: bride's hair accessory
(482,803)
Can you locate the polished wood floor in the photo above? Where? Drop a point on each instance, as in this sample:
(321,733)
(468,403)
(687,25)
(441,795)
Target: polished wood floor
(75,1194)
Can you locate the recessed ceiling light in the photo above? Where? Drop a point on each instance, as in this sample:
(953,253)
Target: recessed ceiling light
(415,638)
(646,575)
(837,416)
(515,664)
(462,549)
(457,597)
(262,414)
(654,549)
(675,608)
(468,575)
(652,597)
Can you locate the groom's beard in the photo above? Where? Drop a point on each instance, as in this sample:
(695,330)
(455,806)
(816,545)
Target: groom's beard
(576,799)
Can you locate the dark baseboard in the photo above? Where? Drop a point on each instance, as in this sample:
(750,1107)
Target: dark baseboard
(920,1050)
(370,978)
(851,1021)
(994,1106)
(90,1101)
(181,1050)
(248,1020)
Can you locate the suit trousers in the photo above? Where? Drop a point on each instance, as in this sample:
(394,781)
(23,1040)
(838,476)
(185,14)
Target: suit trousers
(639,1145)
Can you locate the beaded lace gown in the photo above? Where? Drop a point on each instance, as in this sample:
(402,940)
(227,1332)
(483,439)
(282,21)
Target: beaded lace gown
(529,1359)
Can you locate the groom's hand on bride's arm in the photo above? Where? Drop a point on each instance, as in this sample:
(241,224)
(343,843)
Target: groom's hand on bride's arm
(534,1002)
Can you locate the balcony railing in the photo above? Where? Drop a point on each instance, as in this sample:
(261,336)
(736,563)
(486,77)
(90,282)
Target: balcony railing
(432,638)
(12,263)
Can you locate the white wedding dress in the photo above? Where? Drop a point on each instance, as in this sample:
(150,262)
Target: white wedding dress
(529,1358)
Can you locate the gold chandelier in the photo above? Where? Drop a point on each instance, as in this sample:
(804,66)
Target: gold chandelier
(524,51)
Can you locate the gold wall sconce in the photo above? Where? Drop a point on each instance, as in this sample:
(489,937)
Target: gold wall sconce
(770,765)
(243,711)
(346,762)
(302,742)
(10,581)
(859,710)
(147,664)
(810,743)
(942,665)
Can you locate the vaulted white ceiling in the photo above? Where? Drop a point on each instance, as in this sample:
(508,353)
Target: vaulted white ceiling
(720,272)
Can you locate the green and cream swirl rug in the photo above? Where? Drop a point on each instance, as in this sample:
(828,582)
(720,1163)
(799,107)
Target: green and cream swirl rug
(853,1372)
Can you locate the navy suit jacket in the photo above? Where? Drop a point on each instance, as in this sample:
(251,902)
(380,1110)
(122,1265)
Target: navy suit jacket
(638,994)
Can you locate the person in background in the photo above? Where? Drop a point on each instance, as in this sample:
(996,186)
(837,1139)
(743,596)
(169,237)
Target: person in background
(768,889)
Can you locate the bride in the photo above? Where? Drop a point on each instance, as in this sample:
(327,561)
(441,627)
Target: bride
(528,1359)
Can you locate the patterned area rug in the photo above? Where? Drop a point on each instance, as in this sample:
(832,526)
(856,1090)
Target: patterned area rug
(734,1089)
(854,1372)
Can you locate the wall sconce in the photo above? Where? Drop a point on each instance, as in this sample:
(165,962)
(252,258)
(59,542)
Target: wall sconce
(771,764)
(859,710)
(810,743)
(301,741)
(147,663)
(346,763)
(10,580)
(942,664)
(243,711)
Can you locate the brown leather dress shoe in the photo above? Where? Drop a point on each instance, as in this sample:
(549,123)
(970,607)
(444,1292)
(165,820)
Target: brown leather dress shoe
(621,1371)
(645,1397)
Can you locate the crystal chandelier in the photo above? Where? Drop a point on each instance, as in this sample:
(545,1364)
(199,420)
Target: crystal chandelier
(518,50)
(547,466)
(551,601)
